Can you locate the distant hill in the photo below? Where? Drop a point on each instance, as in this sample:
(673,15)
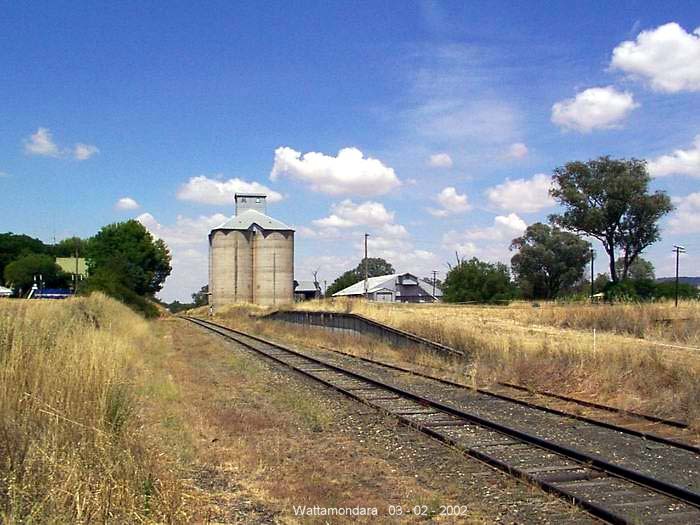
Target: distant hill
(695,281)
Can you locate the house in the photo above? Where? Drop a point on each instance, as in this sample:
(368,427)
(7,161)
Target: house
(397,288)
(306,290)
(73,265)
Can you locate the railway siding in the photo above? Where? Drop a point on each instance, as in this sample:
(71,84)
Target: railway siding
(439,416)
(672,464)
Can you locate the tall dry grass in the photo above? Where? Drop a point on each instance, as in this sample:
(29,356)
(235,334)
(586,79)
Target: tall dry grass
(553,347)
(72,447)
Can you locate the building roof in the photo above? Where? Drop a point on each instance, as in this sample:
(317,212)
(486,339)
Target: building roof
(306,286)
(384,282)
(373,284)
(246,219)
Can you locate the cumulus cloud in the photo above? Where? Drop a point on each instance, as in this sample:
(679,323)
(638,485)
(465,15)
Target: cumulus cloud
(187,240)
(347,173)
(451,203)
(206,190)
(517,150)
(126,203)
(680,162)
(401,253)
(491,242)
(522,195)
(440,160)
(186,230)
(41,143)
(594,108)
(686,217)
(84,151)
(347,214)
(667,57)
(504,227)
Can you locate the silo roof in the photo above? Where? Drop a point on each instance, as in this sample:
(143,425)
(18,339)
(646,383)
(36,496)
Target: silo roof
(245,221)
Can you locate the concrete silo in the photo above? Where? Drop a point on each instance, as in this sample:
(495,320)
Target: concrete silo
(251,257)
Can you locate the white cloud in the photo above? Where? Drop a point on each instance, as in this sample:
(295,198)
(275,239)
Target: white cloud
(41,143)
(440,160)
(686,217)
(522,195)
(84,151)
(491,243)
(594,108)
(126,203)
(517,150)
(185,231)
(504,227)
(680,162)
(451,202)
(667,57)
(348,173)
(347,214)
(187,240)
(205,190)
(304,232)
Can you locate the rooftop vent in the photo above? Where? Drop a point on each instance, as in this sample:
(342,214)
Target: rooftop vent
(251,201)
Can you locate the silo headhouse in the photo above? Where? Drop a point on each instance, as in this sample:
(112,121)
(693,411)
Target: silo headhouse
(251,256)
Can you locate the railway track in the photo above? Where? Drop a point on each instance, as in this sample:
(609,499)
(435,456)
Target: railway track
(651,428)
(606,489)
(359,323)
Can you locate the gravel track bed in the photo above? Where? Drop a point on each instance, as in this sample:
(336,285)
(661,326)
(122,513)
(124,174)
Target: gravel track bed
(669,464)
(436,466)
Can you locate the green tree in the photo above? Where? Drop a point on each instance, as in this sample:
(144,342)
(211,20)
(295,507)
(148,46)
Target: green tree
(609,200)
(346,279)
(114,277)
(200,298)
(13,246)
(21,272)
(177,306)
(549,260)
(477,281)
(376,266)
(600,282)
(68,247)
(667,290)
(640,269)
(127,247)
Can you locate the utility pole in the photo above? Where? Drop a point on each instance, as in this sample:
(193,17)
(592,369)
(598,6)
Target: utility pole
(678,250)
(434,280)
(75,275)
(366,267)
(592,278)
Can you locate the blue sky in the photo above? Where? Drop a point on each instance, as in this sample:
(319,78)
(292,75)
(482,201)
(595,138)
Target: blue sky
(428,124)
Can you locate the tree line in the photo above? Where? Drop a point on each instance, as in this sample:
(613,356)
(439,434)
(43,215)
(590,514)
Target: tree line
(123,260)
(605,199)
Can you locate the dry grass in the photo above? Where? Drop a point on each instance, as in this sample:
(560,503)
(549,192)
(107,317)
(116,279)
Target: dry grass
(72,445)
(538,347)
(267,438)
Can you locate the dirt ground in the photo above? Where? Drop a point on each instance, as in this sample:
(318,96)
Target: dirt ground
(259,443)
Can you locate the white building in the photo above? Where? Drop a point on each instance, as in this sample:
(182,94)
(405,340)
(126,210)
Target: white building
(397,288)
